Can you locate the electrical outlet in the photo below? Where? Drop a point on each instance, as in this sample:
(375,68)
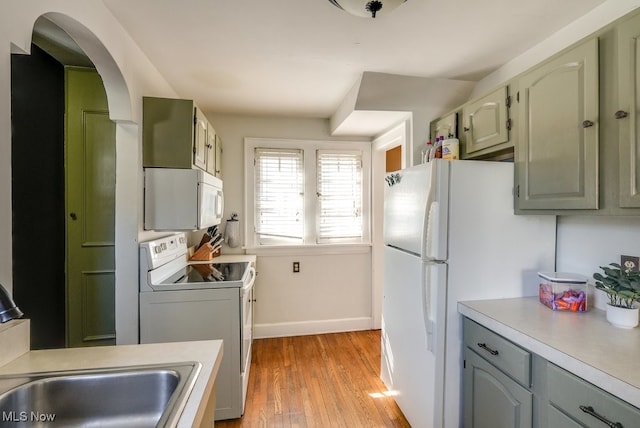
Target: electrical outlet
(629,263)
(296,267)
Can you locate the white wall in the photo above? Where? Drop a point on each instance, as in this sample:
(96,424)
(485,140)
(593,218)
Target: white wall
(127,75)
(332,292)
(583,243)
(586,243)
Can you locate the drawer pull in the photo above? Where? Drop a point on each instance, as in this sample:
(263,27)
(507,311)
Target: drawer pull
(589,410)
(486,348)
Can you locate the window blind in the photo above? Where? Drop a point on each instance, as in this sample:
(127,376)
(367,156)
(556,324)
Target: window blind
(339,191)
(279,195)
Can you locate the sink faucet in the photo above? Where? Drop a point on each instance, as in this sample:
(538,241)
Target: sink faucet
(8,309)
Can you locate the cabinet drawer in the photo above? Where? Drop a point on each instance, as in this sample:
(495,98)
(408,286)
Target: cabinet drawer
(572,394)
(510,358)
(557,419)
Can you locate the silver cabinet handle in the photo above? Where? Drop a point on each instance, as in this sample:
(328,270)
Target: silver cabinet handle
(486,348)
(587,124)
(621,114)
(590,411)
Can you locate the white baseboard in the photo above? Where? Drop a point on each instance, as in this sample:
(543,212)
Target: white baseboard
(304,328)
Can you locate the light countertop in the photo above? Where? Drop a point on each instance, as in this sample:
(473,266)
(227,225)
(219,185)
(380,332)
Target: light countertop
(583,343)
(207,352)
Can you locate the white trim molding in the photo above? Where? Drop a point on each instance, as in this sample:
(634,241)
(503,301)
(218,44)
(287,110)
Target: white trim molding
(305,328)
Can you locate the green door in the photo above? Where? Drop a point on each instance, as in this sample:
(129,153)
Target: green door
(90,209)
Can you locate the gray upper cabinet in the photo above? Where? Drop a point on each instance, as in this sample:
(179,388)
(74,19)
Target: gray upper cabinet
(176,134)
(627,114)
(485,123)
(557,156)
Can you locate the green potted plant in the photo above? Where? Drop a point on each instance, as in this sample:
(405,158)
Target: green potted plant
(623,290)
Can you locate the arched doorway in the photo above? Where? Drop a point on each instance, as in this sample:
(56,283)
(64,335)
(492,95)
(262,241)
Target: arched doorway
(38,221)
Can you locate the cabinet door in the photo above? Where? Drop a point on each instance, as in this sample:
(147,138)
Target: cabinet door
(200,140)
(167,132)
(557,156)
(557,419)
(218,149)
(629,104)
(211,150)
(446,127)
(491,398)
(485,122)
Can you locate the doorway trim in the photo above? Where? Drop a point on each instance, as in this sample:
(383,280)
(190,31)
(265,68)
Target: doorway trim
(394,137)
(127,165)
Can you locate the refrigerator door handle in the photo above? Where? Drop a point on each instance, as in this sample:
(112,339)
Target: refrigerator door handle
(431,239)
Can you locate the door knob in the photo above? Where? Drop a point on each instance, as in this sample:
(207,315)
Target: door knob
(587,124)
(73,216)
(621,114)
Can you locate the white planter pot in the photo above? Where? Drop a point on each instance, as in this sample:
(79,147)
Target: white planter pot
(622,317)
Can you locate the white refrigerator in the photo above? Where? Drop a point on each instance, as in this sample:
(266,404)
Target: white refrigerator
(450,235)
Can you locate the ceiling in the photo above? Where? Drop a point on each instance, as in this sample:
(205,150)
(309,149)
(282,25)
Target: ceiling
(300,58)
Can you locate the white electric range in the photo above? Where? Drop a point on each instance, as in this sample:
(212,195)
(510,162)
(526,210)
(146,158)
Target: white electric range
(182,301)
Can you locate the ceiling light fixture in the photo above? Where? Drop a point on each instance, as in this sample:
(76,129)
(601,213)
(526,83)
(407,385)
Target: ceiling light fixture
(367,8)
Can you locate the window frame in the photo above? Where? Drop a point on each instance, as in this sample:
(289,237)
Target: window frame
(311,214)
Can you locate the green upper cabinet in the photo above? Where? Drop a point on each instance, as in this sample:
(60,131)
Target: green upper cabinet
(218,160)
(557,156)
(446,127)
(486,124)
(214,153)
(629,108)
(200,142)
(176,134)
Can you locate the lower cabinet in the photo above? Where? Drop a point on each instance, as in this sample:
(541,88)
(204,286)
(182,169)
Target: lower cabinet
(496,394)
(491,398)
(585,404)
(496,381)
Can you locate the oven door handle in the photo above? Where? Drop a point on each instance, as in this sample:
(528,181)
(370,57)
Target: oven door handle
(249,284)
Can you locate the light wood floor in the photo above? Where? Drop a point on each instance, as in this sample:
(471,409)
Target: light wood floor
(329,380)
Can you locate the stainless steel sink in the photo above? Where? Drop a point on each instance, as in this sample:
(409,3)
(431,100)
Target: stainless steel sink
(137,396)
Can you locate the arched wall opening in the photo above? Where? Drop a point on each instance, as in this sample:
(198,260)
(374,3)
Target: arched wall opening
(127,173)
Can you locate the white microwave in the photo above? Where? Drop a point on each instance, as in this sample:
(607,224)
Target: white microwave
(181,199)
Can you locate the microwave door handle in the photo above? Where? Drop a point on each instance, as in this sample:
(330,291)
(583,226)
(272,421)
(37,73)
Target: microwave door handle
(220,204)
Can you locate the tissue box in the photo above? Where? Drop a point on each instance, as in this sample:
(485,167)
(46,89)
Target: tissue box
(563,291)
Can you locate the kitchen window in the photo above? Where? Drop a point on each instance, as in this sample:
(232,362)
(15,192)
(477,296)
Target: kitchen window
(339,194)
(279,195)
(306,193)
